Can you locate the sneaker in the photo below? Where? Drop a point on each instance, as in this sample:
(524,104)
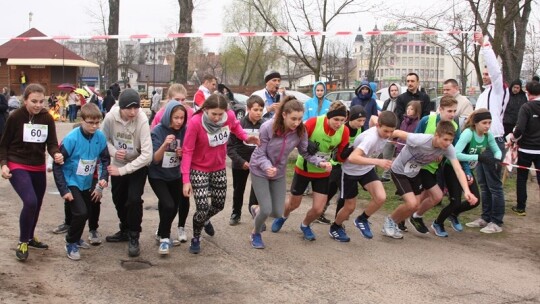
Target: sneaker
(182,237)
(94,237)
(134,249)
(256,241)
(308,233)
(478,223)
(209,228)
(277,224)
(390,229)
(22,251)
(402,227)
(195,246)
(34,243)
(234,220)
(338,233)
(363,225)
(164,245)
(454,222)
(323,220)
(63,228)
(491,228)
(418,224)
(72,251)
(520,212)
(120,236)
(82,244)
(439,230)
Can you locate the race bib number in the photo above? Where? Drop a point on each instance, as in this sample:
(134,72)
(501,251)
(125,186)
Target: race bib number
(124,144)
(86,167)
(327,156)
(219,138)
(170,160)
(35,133)
(412,167)
(251,132)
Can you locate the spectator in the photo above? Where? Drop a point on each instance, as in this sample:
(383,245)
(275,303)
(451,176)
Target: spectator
(413,93)
(270,93)
(206,89)
(364,98)
(516,100)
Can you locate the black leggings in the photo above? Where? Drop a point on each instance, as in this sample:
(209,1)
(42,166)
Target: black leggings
(334,184)
(170,200)
(456,206)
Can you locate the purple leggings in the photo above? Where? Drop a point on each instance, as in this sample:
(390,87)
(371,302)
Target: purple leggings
(30,186)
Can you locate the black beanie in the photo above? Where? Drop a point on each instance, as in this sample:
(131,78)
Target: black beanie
(356,112)
(129,98)
(271,75)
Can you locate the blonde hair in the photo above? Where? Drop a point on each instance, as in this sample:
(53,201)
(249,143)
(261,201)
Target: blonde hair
(176,88)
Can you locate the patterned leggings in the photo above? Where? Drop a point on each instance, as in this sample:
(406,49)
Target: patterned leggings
(205,185)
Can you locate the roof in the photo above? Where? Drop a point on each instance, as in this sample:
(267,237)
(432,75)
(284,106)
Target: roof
(35,49)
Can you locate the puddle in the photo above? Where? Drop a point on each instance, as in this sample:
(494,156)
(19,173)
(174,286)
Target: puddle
(135,264)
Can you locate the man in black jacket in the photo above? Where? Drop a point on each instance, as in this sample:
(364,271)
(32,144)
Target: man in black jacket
(516,100)
(413,93)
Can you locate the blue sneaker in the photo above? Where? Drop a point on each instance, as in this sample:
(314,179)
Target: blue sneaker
(277,224)
(164,246)
(195,246)
(454,222)
(72,251)
(363,225)
(439,230)
(256,241)
(338,233)
(308,233)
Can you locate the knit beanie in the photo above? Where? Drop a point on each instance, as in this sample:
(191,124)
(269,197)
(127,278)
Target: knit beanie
(271,75)
(356,112)
(129,98)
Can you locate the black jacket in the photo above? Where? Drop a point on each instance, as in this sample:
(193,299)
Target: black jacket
(514,104)
(238,152)
(528,126)
(406,97)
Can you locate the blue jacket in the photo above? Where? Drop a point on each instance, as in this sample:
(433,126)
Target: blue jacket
(312,104)
(83,153)
(369,104)
(159,133)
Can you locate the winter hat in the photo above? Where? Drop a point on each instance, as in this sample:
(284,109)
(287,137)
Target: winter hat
(356,112)
(271,75)
(129,98)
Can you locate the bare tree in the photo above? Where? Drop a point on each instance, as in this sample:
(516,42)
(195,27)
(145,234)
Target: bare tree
(532,52)
(112,44)
(128,55)
(348,66)
(182,48)
(379,46)
(310,16)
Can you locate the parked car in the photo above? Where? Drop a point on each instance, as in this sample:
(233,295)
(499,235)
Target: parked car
(346,96)
(238,105)
(298,95)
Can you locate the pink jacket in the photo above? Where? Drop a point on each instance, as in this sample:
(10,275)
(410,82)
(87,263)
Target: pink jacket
(197,153)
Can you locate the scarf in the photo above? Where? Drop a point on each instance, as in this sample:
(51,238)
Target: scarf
(210,126)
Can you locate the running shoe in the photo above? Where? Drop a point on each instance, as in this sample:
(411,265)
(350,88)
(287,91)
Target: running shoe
(363,225)
(209,228)
(164,246)
(308,233)
(338,233)
(478,223)
(94,237)
(454,222)
(520,212)
(182,237)
(418,224)
(439,230)
(277,224)
(22,251)
(82,244)
(35,243)
(72,251)
(323,220)
(63,228)
(491,228)
(402,226)
(256,241)
(195,246)
(234,220)
(390,229)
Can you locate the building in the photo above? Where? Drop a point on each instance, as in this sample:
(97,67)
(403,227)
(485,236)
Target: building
(46,62)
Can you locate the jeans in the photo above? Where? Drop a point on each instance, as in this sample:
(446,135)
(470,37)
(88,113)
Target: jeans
(127,191)
(525,160)
(72,112)
(489,179)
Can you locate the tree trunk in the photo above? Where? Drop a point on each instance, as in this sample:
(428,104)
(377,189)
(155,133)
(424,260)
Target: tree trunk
(182,45)
(112,44)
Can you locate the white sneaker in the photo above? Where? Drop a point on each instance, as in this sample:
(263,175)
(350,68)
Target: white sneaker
(164,245)
(182,237)
(479,223)
(390,229)
(491,228)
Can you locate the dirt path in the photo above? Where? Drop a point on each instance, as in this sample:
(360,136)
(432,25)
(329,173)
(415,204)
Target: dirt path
(469,267)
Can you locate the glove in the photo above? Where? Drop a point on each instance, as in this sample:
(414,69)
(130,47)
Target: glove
(487,158)
(312,147)
(346,152)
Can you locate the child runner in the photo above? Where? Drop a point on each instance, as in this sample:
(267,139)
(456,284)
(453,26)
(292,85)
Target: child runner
(81,149)
(240,154)
(203,161)
(420,150)
(164,172)
(471,148)
(359,168)
(130,146)
(28,131)
(279,137)
(326,133)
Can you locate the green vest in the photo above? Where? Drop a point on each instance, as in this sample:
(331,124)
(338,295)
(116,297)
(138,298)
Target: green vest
(430,129)
(334,161)
(326,145)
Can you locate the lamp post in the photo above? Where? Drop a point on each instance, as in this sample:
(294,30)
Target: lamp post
(30,14)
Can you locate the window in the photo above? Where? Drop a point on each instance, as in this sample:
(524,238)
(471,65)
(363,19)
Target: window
(417,49)
(410,61)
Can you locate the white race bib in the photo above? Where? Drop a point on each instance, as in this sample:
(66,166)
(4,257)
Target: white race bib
(170,160)
(86,167)
(327,156)
(219,138)
(412,167)
(124,144)
(251,132)
(35,133)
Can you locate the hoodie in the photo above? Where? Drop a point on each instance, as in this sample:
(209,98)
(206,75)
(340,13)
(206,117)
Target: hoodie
(312,105)
(390,103)
(367,101)
(514,104)
(166,169)
(133,136)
